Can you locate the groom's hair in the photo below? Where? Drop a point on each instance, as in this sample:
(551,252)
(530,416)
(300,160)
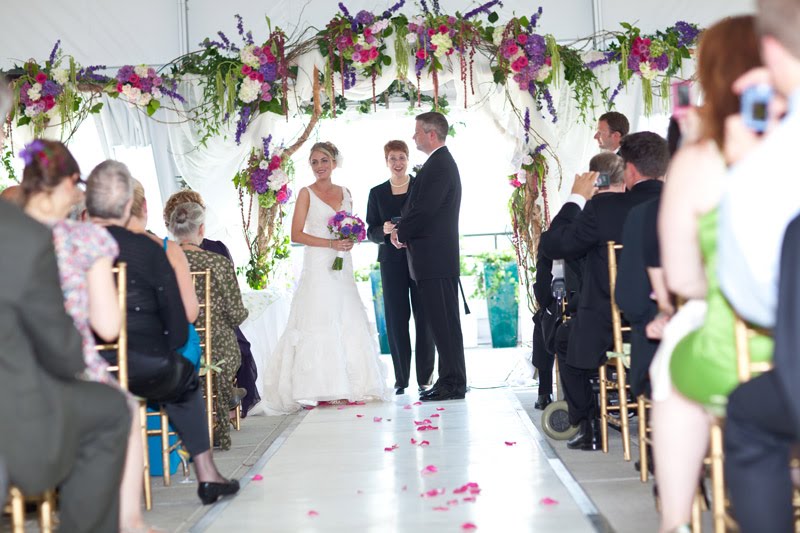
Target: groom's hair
(436,122)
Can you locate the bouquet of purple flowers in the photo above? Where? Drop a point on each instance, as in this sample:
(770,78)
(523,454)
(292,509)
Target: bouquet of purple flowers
(343,225)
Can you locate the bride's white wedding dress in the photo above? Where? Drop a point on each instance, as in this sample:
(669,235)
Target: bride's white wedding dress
(328,350)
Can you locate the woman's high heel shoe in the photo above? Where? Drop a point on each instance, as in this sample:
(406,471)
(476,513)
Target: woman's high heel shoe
(210,492)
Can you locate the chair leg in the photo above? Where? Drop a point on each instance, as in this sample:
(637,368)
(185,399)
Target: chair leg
(46,509)
(148,488)
(238,423)
(697,512)
(165,446)
(604,408)
(643,460)
(624,423)
(17,510)
(717,479)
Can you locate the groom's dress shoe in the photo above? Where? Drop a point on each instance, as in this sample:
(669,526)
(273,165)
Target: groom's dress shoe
(588,436)
(443,394)
(400,390)
(210,492)
(543,401)
(428,392)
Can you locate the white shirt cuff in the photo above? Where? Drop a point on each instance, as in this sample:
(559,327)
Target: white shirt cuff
(577,199)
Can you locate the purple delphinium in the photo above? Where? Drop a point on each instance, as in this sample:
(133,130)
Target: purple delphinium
(349,76)
(539,149)
(614,94)
(535,19)
(419,65)
(89,74)
(364,17)
(482,9)
(241,124)
(54,52)
(344,11)
(527,124)
(389,12)
(170,88)
(687,33)
(424,6)
(436,10)
(208,43)
(550,107)
(606,59)
(224,39)
(265,145)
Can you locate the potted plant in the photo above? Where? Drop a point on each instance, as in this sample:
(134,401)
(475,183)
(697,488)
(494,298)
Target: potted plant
(498,281)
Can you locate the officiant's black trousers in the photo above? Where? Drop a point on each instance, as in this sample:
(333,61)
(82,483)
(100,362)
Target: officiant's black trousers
(758,440)
(440,303)
(397,286)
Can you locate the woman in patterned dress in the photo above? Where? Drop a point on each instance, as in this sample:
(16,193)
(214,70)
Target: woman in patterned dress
(85,253)
(187,225)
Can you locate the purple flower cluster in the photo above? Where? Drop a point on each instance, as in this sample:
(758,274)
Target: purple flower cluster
(535,19)
(482,9)
(539,149)
(349,75)
(364,17)
(241,124)
(246,37)
(606,59)
(614,94)
(31,150)
(344,11)
(436,10)
(389,12)
(550,107)
(527,124)
(424,7)
(687,33)
(54,52)
(347,226)
(90,74)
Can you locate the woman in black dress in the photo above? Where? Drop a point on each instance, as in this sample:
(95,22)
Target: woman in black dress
(383,213)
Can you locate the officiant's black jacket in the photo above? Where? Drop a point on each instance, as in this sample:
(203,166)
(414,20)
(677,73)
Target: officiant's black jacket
(430,219)
(575,233)
(382,206)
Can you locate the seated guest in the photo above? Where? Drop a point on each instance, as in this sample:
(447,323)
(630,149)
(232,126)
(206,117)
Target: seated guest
(12,194)
(85,253)
(247,374)
(187,224)
(542,356)
(582,228)
(694,369)
(56,428)
(157,326)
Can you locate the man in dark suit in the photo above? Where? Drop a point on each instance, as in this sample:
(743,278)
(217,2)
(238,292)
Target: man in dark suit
(55,428)
(429,229)
(578,231)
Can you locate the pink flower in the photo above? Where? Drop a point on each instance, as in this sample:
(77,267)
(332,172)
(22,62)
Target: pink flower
(443,29)
(522,38)
(520,63)
(421,53)
(282,196)
(260,77)
(431,32)
(356,56)
(119,87)
(451,20)
(134,79)
(41,77)
(512,49)
(548,61)
(263,59)
(367,32)
(515,182)
(373,54)
(275,162)
(412,27)
(253,75)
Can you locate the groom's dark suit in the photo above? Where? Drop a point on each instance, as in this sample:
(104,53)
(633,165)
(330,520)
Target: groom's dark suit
(429,228)
(55,429)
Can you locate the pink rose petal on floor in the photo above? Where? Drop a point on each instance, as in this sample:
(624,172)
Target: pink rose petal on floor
(422,423)
(413,440)
(392,448)
(313,513)
(425,443)
(440,408)
(258,477)
(427,428)
(548,501)
(468,526)
(441,508)
(432,493)
(357,403)
(430,469)
(511,443)
(434,415)
(469,499)
(340,408)
(452,502)
(406,407)
(417,403)
(359,416)
(474,492)
(376,419)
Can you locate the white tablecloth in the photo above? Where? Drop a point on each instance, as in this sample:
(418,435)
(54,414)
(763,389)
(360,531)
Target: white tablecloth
(269,312)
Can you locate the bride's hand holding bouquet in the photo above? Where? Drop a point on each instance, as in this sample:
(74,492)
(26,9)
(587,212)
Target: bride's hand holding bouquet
(345,227)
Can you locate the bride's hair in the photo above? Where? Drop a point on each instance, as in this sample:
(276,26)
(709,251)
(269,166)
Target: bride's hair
(327,148)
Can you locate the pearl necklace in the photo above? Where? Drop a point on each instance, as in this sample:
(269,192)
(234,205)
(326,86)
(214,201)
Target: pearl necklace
(401,185)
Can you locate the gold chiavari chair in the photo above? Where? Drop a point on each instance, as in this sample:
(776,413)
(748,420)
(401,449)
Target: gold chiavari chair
(204,331)
(616,361)
(121,368)
(15,506)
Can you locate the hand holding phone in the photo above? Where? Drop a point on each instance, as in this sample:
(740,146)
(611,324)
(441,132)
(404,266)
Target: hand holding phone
(755,107)
(603,180)
(681,98)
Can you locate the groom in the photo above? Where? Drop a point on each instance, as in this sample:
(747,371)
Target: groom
(429,229)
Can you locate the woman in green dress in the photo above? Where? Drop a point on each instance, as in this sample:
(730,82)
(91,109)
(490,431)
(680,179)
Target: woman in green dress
(187,225)
(695,367)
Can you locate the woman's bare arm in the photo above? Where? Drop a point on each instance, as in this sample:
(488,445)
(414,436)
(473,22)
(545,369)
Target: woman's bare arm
(104,315)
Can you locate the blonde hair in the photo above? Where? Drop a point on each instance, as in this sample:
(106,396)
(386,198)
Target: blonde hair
(137,208)
(178,198)
(327,148)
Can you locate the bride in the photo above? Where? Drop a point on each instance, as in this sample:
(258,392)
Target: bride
(328,352)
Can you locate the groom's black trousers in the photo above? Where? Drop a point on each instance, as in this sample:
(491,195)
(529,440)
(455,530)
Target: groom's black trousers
(440,301)
(397,286)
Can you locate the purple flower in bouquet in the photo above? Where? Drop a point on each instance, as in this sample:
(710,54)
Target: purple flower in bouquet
(661,62)
(344,225)
(58,43)
(687,33)
(125,73)
(270,71)
(364,17)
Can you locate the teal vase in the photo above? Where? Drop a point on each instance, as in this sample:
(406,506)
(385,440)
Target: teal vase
(380,311)
(501,299)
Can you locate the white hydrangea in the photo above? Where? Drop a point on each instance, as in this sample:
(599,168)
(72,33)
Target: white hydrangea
(522,175)
(443,44)
(527,160)
(263,165)
(156,92)
(61,76)
(647,72)
(544,72)
(412,38)
(497,35)
(135,95)
(248,57)
(141,71)
(35,92)
(31,111)
(278,179)
(249,91)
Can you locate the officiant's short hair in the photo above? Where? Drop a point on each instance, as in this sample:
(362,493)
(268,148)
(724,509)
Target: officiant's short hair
(436,122)
(395,146)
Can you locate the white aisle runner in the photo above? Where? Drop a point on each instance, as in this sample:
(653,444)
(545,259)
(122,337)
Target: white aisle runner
(355,469)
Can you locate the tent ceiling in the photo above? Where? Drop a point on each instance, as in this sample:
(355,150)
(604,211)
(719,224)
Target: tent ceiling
(150,31)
